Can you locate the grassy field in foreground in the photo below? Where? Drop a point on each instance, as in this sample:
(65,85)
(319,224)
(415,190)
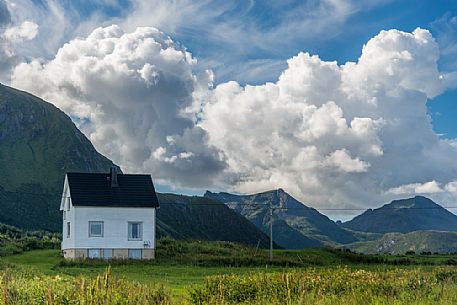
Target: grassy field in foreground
(179,271)
(226,273)
(175,276)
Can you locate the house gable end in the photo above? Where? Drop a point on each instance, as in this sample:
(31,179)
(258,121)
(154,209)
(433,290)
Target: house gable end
(65,194)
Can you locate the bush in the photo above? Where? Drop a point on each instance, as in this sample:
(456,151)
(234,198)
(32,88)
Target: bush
(14,240)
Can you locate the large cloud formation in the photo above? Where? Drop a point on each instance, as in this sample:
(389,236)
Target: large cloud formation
(128,92)
(337,134)
(354,134)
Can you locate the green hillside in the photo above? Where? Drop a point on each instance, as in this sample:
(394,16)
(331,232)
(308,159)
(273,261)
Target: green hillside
(193,217)
(38,144)
(417,242)
(295,225)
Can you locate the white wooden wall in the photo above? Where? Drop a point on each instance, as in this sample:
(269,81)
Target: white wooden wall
(115,227)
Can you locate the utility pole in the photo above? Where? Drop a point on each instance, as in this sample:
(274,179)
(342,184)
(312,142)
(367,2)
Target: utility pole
(271,233)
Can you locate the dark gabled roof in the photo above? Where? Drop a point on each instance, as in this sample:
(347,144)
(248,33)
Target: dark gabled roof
(89,189)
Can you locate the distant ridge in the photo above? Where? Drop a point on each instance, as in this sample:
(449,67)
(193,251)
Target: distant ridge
(417,242)
(403,216)
(295,225)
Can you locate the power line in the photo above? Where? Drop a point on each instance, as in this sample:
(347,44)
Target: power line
(253,205)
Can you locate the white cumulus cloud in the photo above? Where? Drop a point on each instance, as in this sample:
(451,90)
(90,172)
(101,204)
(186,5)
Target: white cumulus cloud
(128,91)
(338,134)
(27,30)
(430,187)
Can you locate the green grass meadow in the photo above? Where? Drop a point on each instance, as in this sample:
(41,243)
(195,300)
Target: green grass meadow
(193,272)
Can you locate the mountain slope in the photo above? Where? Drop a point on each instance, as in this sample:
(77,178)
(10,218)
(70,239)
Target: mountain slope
(290,217)
(406,215)
(186,217)
(38,144)
(418,242)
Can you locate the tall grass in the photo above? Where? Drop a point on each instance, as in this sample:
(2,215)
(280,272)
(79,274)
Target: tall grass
(321,286)
(25,288)
(331,286)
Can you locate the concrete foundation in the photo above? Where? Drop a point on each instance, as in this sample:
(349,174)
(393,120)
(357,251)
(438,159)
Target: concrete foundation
(75,253)
(146,254)
(121,253)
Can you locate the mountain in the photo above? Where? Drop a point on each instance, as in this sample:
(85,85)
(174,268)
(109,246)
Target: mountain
(406,215)
(193,217)
(295,225)
(418,242)
(38,144)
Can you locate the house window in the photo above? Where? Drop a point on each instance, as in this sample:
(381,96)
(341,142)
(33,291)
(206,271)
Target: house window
(64,216)
(95,228)
(68,229)
(68,204)
(107,253)
(94,253)
(135,253)
(135,231)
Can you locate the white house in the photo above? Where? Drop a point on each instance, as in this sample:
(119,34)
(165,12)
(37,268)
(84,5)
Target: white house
(108,216)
